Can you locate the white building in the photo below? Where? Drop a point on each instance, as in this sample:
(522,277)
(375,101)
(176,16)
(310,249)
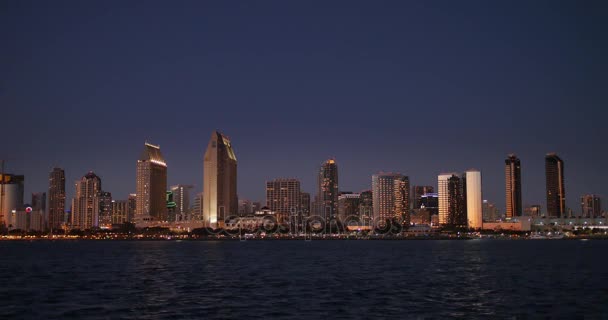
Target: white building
(474,199)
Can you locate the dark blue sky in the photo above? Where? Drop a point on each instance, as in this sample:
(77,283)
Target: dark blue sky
(418,87)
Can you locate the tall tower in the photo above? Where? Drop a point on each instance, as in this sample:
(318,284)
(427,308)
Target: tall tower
(151,185)
(85,204)
(390,196)
(284,196)
(556,193)
(452,200)
(219,181)
(181,196)
(327,196)
(56,215)
(418,192)
(11,195)
(513,186)
(591,206)
(474,199)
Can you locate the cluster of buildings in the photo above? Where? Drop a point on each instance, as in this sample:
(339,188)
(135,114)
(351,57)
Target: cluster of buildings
(456,201)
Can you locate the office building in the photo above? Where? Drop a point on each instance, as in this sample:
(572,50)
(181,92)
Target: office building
(86,202)
(473,199)
(418,192)
(151,185)
(390,196)
(219,181)
(56,213)
(513,186)
(591,206)
(556,193)
(327,195)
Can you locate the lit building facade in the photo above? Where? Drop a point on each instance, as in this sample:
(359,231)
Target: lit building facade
(56,215)
(513,186)
(348,206)
(105,209)
(120,211)
(390,196)
(305,204)
(327,196)
(181,197)
(85,204)
(151,185)
(283,196)
(474,199)
(556,192)
(418,192)
(219,181)
(11,195)
(452,200)
(591,206)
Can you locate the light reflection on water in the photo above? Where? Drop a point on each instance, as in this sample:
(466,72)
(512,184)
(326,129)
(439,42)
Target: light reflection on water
(299,279)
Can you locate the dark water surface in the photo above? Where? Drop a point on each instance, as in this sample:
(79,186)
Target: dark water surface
(299,279)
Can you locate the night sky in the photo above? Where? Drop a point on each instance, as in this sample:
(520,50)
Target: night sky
(417,87)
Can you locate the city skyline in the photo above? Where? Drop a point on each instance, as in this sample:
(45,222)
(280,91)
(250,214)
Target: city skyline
(364,85)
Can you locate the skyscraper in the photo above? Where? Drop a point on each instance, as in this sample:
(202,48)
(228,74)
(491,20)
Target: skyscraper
(85,204)
(283,196)
(105,209)
(120,211)
(390,196)
(402,199)
(181,197)
(418,192)
(556,193)
(366,205)
(474,199)
(151,185)
(219,181)
(132,207)
(56,216)
(305,203)
(11,195)
(591,206)
(348,206)
(513,186)
(327,196)
(452,200)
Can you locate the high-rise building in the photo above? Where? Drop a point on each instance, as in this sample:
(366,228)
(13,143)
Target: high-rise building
(305,204)
(490,211)
(197,207)
(120,211)
(513,186)
(181,197)
(132,207)
(11,195)
(245,207)
(283,196)
(348,206)
(473,199)
(366,205)
(533,211)
(85,204)
(452,200)
(56,216)
(105,209)
(418,192)
(327,196)
(402,199)
(430,202)
(39,201)
(591,206)
(556,192)
(151,185)
(219,181)
(390,196)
